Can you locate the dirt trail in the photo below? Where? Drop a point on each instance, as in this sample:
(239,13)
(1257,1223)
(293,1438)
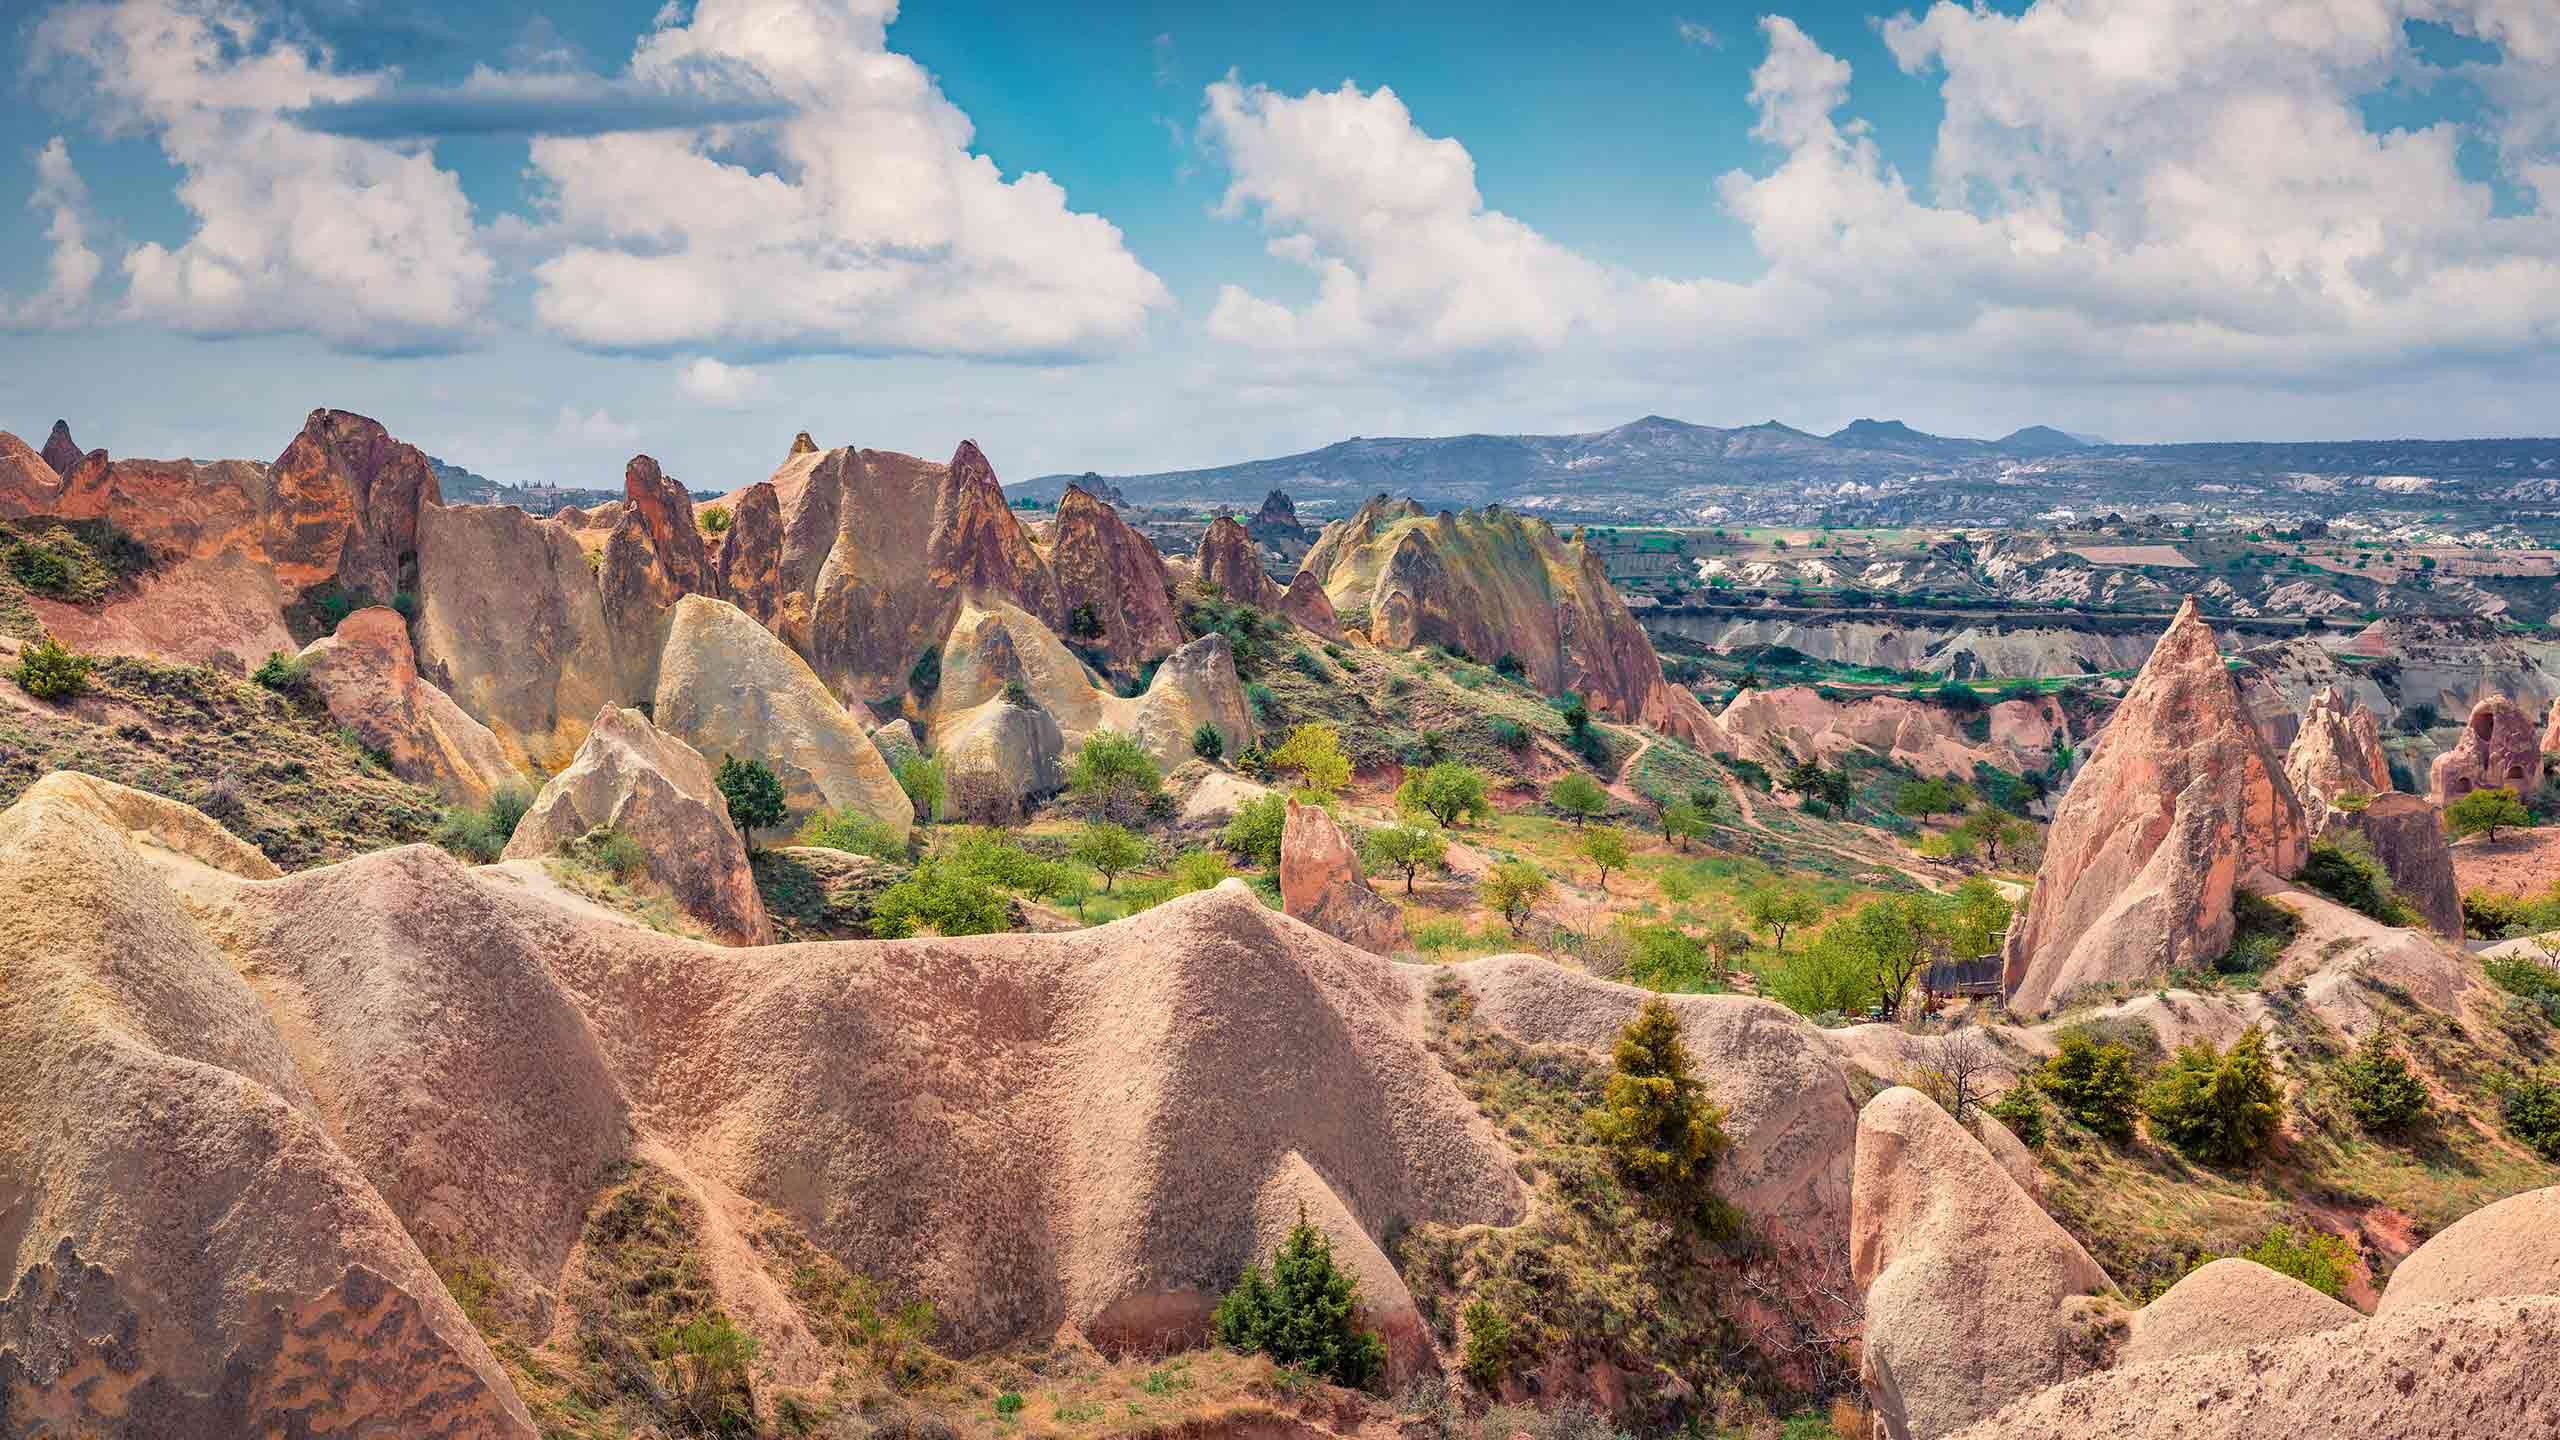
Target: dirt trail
(1934,884)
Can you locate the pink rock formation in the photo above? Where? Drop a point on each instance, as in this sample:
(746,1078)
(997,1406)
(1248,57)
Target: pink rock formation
(2407,835)
(1973,1293)
(1108,574)
(657,790)
(60,451)
(750,560)
(1321,883)
(29,485)
(1231,559)
(2178,801)
(2511,1247)
(2226,1304)
(2337,750)
(655,555)
(368,677)
(2499,747)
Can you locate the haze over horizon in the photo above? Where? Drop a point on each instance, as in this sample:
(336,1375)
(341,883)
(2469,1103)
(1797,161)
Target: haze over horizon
(1133,238)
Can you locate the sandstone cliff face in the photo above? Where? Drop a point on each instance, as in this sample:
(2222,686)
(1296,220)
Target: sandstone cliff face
(1231,559)
(368,677)
(60,450)
(535,668)
(1495,583)
(2179,799)
(344,506)
(655,555)
(2337,750)
(2499,748)
(1927,738)
(2407,835)
(29,485)
(727,686)
(749,563)
(1973,1293)
(1321,883)
(657,790)
(1109,572)
(979,546)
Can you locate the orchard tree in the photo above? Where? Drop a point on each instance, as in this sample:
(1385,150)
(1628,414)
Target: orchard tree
(1448,792)
(1313,750)
(1778,908)
(1514,889)
(1110,849)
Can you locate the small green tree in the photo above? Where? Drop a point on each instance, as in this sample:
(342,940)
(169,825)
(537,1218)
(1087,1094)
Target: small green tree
(1199,870)
(1655,1117)
(1113,774)
(2094,1083)
(1992,828)
(922,778)
(1514,889)
(1777,907)
(1928,796)
(1683,821)
(1606,850)
(2023,1112)
(1448,792)
(1208,742)
(1827,977)
(50,670)
(280,672)
(2219,1107)
(1578,797)
(2531,1107)
(1409,848)
(1110,849)
(1491,1340)
(753,793)
(1304,1311)
(2318,1259)
(1314,751)
(1254,830)
(2383,1094)
(942,899)
(2486,812)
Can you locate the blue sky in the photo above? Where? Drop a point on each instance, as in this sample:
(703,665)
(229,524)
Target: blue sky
(1265,228)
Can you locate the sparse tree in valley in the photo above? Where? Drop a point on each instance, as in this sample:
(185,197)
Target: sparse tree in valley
(1109,849)
(1606,850)
(1314,751)
(1578,797)
(1408,848)
(1448,792)
(753,794)
(1514,890)
(2485,812)
(1777,907)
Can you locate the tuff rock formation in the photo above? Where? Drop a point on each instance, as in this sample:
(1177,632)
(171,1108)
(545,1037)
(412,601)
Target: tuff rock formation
(2406,833)
(2499,747)
(657,790)
(2179,799)
(2227,1303)
(654,557)
(367,675)
(1121,599)
(749,563)
(1278,512)
(29,485)
(1230,559)
(1975,1297)
(343,505)
(727,686)
(2337,750)
(1798,721)
(801,445)
(536,668)
(1495,583)
(2511,1247)
(60,450)
(1321,883)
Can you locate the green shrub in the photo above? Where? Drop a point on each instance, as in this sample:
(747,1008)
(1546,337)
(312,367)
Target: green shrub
(1438,937)
(1578,797)
(1827,977)
(855,833)
(1199,870)
(2525,976)
(1009,1404)
(704,1367)
(2094,1083)
(2219,1107)
(1507,733)
(50,670)
(1208,742)
(1491,1339)
(2260,931)
(1303,1312)
(1109,849)
(1254,830)
(1016,694)
(1655,1117)
(40,568)
(1665,957)
(753,794)
(2532,1112)
(1449,792)
(715,519)
(2317,1258)
(2344,868)
(2381,1092)
(2022,1110)
(987,855)
(280,672)
(615,853)
(1513,889)
(1114,775)
(942,899)
(481,835)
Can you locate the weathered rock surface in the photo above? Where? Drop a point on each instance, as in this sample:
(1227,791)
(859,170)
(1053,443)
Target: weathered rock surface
(657,790)
(1496,583)
(2511,1247)
(1231,559)
(750,560)
(29,485)
(368,676)
(2337,750)
(728,686)
(2407,834)
(1970,1288)
(192,1253)
(343,505)
(60,450)
(1108,572)
(1798,721)
(1321,883)
(2226,1304)
(2499,748)
(1217,796)
(2179,798)
(2482,1368)
(655,557)
(1278,512)
(536,668)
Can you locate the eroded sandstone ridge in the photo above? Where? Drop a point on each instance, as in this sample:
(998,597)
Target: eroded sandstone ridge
(2180,799)
(1231,560)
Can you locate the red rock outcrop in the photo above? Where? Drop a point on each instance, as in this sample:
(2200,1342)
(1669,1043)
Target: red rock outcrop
(654,557)
(29,485)
(1495,583)
(657,790)
(749,562)
(801,444)
(979,545)
(536,668)
(60,451)
(2336,750)
(1278,512)
(1321,883)
(2499,748)
(1306,605)
(2178,801)
(1974,1295)
(367,675)
(2407,835)
(1764,721)
(1109,572)
(1230,560)
(343,505)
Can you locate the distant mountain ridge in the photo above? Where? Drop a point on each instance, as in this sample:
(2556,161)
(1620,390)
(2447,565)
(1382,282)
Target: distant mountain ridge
(1867,471)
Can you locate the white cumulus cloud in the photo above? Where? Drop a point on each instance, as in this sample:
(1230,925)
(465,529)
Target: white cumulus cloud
(862,222)
(72,271)
(713,385)
(368,246)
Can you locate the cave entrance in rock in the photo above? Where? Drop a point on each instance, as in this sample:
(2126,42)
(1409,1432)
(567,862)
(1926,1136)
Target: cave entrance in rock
(2482,724)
